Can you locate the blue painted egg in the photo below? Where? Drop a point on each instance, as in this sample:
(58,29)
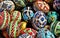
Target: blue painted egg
(39,20)
(27,13)
(43,33)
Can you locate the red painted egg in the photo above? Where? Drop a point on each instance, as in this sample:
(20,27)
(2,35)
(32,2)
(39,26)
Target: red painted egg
(4,20)
(30,31)
(42,6)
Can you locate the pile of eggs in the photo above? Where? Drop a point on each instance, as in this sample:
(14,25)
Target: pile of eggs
(30,18)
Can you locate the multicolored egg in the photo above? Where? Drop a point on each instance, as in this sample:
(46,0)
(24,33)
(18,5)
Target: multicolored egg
(39,20)
(56,5)
(15,28)
(28,13)
(8,5)
(41,6)
(16,15)
(55,28)
(20,3)
(43,33)
(29,31)
(25,36)
(4,20)
(52,16)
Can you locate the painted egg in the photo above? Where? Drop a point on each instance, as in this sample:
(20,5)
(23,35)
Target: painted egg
(43,33)
(20,3)
(25,36)
(4,20)
(39,20)
(52,16)
(29,31)
(28,13)
(8,5)
(56,5)
(23,25)
(16,15)
(41,6)
(15,27)
(55,28)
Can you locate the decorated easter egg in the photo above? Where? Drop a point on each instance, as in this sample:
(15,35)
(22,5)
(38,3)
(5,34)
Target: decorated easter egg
(39,20)
(16,15)
(29,31)
(20,3)
(8,5)
(43,33)
(4,20)
(28,13)
(25,36)
(41,6)
(23,25)
(15,27)
(52,16)
(55,28)
(56,5)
